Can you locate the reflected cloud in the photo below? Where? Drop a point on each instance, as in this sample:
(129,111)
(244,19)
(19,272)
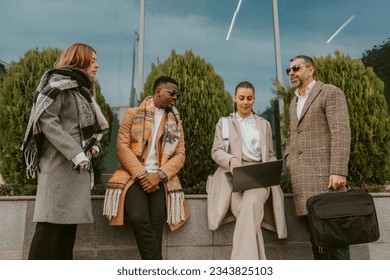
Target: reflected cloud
(340,29)
(199,25)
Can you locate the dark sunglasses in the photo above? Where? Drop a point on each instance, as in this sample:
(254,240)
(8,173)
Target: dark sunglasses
(295,68)
(172,93)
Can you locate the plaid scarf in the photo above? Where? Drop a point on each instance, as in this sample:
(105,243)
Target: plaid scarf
(140,131)
(142,127)
(92,123)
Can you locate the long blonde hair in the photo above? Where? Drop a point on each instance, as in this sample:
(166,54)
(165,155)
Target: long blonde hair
(77,55)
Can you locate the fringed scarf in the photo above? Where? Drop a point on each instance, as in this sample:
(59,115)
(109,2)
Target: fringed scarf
(140,131)
(92,123)
(114,189)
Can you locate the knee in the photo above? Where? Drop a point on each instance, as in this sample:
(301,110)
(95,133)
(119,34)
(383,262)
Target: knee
(252,204)
(159,219)
(252,201)
(137,218)
(256,196)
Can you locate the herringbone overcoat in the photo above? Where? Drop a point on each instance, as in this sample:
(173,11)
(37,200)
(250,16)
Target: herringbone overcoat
(318,143)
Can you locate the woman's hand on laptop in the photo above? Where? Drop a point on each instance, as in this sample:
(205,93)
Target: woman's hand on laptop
(234,162)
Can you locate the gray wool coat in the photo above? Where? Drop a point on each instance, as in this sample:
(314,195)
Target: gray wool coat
(318,143)
(63,194)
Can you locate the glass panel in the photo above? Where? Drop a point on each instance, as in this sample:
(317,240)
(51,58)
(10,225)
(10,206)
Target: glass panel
(312,27)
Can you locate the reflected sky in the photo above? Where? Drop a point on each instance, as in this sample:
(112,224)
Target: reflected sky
(200,25)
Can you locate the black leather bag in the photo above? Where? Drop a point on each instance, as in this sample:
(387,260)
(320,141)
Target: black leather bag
(342,218)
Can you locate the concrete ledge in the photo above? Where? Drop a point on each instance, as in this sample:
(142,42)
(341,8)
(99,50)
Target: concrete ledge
(194,241)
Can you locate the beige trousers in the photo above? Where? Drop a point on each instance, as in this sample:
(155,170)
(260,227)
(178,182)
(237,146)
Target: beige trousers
(248,208)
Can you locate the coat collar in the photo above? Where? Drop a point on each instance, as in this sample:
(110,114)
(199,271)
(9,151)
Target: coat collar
(313,95)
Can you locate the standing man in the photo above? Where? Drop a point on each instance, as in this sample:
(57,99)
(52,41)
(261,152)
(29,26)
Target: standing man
(318,142)
(150,147)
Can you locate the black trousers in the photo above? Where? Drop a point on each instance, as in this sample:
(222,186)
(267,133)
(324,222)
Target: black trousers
(327,253)
(53,242)
(147,214)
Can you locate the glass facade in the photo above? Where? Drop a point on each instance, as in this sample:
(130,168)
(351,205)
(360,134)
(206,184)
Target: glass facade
(313,27)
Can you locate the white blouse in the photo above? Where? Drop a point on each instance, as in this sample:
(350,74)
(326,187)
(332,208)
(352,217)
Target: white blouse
(250,134)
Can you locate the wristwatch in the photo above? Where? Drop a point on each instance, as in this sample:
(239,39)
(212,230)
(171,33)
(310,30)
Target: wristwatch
(162,176)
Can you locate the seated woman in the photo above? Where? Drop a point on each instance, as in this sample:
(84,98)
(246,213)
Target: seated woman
(250,141)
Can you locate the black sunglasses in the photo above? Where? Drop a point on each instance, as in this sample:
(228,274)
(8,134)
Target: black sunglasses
(172,93)
(295,68)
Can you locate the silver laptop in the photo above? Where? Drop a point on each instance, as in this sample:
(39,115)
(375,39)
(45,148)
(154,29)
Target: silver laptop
(258,175)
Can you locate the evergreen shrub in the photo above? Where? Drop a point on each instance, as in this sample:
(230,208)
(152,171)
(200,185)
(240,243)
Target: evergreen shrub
(379,59)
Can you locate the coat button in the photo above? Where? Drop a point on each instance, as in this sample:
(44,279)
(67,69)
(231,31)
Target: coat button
(299,131)
(300,152)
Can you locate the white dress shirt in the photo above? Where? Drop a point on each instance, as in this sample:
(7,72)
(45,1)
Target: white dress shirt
(302,99)
(250,135)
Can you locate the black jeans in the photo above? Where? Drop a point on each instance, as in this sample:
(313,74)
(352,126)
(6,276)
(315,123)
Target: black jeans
(146,212)
(53,242)
(327,253)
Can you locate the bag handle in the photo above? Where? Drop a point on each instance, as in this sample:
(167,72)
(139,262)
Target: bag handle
(225,133)
(330,189)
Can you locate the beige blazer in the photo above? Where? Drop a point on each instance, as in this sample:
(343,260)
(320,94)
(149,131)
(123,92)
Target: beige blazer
(219,194)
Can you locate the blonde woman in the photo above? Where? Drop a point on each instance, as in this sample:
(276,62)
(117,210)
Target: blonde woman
(62,136)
